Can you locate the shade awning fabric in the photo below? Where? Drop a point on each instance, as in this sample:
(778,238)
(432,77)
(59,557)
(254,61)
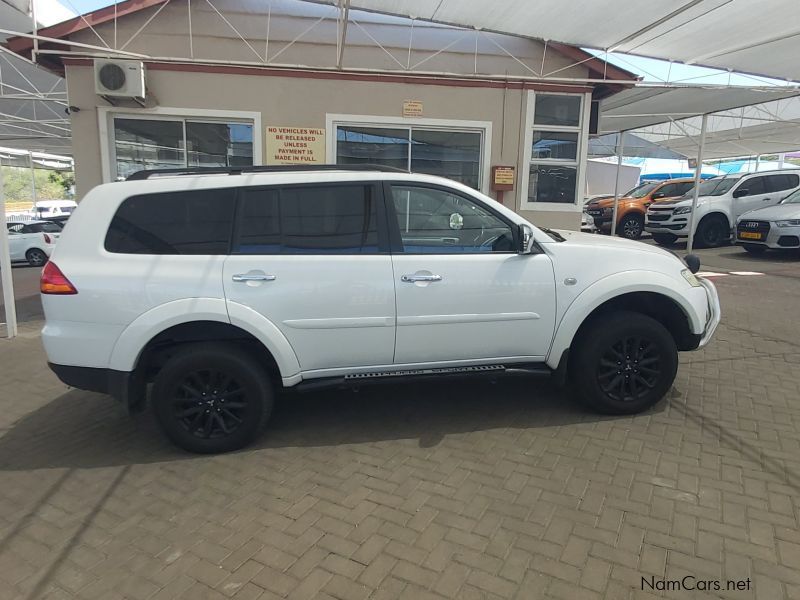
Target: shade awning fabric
(740,35)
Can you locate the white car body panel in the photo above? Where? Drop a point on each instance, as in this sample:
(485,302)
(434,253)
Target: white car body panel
(338,314)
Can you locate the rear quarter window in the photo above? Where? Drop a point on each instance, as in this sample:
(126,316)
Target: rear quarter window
(185,222)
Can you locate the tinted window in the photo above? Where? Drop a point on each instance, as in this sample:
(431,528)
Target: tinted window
(669,190)
(433,221)
(784,181)
(683,188)
(308,220)
(756,185)
(552,109)
(191,222)
(44,227)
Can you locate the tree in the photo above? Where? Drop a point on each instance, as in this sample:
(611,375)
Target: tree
(50,185)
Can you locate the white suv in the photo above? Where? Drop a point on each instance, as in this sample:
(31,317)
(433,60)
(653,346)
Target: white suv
(721,201)
(218,287)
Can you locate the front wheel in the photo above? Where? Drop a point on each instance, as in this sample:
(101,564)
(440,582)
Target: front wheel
(623,363)
(211,398)
(632,226)
(712,231)
(664,239)
(35,257)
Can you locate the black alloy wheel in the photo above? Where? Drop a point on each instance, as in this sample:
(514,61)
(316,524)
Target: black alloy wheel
(629,369)
(632,227)
(36,257)
(210,404)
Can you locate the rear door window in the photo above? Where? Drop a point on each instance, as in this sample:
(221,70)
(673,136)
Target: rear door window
(185,222)
(755,186)
(782,182)
(312,219)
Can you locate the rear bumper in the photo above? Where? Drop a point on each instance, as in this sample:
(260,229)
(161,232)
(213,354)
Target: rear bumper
(124,386)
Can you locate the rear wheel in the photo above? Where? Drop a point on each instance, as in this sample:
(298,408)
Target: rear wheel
(36,257)
(664,239)
(712,231)
(631,226)
(212,398)
(624,363)
(755,248)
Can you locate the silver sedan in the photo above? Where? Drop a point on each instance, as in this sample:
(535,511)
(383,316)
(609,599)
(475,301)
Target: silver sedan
(776,227)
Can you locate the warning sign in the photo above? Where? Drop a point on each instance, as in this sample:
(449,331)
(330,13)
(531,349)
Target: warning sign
(295,145)
(412,108)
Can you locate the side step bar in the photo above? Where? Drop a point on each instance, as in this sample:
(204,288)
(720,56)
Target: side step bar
(356,380)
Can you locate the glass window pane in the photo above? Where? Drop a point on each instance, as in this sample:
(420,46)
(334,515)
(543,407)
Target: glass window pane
(555,144)
(219,144)
(372,145)
(194,222)
(550,183)
(552,109)
(434,221)
(452,154)
(147,144)
(309,220)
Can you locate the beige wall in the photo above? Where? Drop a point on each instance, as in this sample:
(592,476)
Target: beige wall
(305,102)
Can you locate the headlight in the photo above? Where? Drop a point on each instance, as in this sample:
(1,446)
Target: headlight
(682,210)
(788,223)
(689,277)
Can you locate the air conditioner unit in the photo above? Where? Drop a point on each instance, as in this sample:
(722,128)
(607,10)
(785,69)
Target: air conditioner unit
(119,78)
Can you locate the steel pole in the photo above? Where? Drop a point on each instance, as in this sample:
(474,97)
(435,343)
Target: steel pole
(697,171)
(758,162)
(33,182)
(5,269)
(781,159)
(620,152)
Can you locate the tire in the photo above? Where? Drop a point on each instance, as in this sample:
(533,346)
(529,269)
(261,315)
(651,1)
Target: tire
(665,239)
(36,257)
(632,384)
(197,415)
(631,227)
(712,231)
(755,248)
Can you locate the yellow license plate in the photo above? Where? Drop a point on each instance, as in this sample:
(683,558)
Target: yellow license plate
(749,235)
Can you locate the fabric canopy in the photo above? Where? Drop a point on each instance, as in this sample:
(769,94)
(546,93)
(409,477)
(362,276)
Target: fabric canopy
(741,35)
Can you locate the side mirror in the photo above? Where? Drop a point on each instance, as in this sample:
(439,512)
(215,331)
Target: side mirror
(741,192)
(524,239)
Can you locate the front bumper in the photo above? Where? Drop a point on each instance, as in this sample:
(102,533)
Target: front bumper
(777,238)
(713,313)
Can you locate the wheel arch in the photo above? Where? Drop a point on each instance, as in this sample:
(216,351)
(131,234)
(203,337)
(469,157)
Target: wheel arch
(203,319)
(655,298)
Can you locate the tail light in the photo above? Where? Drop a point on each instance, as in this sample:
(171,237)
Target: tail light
(47,239)
(53,281)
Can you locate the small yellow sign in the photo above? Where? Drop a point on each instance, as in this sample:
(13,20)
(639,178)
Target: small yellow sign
(504,176)
(295,145)
(412,108)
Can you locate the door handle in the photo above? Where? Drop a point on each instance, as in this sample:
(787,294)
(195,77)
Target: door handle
(766,199)
(243,277)
(415,278)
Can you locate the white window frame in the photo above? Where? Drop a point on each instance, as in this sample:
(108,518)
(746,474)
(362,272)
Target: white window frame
(332,121)
(580,160)
(105,116)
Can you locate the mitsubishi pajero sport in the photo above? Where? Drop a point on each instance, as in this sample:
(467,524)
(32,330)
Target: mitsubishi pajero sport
(201,292)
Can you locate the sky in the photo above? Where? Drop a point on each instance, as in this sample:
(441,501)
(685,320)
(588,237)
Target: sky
(651,69)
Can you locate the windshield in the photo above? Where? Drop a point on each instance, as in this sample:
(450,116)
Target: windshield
(713,187)
(641,190)
(793,198)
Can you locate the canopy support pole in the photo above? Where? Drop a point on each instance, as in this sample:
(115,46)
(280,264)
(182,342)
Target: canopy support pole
(5,270)
(781,159)
(758,162)
(33,181)
(695,190)
(620,152)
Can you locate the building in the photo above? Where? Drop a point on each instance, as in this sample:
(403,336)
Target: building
(238,82)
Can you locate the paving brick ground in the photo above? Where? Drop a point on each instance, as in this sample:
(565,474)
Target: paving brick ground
(500,490)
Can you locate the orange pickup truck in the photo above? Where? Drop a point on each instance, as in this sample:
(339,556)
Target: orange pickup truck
(633,205)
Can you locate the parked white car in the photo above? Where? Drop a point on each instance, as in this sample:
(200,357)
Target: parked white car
(776,227)
(721,202)
(53,208)
(218,288)
(32,242)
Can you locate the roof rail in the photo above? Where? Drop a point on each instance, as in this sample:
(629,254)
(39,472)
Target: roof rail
(148,173)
